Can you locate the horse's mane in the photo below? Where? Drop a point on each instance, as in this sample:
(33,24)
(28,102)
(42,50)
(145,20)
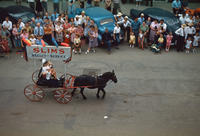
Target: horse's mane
(105,75)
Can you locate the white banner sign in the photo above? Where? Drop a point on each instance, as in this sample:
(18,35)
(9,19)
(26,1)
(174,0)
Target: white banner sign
(48,52)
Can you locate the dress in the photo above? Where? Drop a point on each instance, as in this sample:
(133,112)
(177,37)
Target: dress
(93,42)
(188,44)
(169,40)
(196,40)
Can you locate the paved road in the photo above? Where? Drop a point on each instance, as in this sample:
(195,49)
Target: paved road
(157,95)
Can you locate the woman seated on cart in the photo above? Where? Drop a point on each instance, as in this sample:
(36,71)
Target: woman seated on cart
(47,76)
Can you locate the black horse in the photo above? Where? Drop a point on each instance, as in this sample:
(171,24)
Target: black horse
(92,82)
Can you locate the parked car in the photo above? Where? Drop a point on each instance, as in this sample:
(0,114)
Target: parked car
(16,12)
(169,18)
(102,18)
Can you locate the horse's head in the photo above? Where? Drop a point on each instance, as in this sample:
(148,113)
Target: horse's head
(110,76)
(113,77)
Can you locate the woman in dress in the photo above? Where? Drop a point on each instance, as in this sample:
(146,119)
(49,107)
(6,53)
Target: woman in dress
(153,30)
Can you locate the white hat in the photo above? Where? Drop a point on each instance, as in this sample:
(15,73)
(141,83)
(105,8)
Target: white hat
(119,14)
(142,14)
(43,61)
(76,16)
(83,11)
(126,17)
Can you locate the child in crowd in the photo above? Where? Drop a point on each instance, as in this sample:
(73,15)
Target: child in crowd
(188,45)
(132,40)
(32,39)
(77,44)
(169,41)
(160,41)
(4,44)
(66,37)
(196,42)
(141,40)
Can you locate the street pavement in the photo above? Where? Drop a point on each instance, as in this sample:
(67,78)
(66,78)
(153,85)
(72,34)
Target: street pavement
(156,95)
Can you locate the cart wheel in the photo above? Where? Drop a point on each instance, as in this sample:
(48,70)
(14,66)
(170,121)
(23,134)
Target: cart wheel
(62,96)
(34,93)
(35,76)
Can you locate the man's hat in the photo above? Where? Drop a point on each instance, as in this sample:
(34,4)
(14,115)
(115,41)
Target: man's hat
(119,14)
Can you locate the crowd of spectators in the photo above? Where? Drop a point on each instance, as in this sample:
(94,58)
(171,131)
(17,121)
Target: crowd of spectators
(57,28)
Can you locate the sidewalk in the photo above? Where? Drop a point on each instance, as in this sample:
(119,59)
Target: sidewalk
(124,7)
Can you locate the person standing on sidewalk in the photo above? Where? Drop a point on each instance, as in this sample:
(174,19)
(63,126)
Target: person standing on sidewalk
(56,6)
(116,7)
(44,5)
(18,2)
(31,4)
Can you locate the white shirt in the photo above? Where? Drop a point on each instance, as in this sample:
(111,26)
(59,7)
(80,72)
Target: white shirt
(127,23)
(182,20)
(180,31)
(58,28)
(77,22)
(164,26)
(8,24)
(120,20)
(116,30)
(189,30)
(45,70)
(188,43)
(188,20)
(82,19)
(22,25)
(61,20)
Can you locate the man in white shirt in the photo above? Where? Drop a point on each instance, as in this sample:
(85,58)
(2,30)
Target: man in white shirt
(82,18)
(180,38)
(189,31)
(163,26)
(77,20)
(182,18)
(7,23)
(116,35)
(21,24)
(119,19)
(32,4)
(126,28)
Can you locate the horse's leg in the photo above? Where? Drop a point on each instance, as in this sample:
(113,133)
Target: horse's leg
(82,89)
(98,93)
(104,93)
(72,93)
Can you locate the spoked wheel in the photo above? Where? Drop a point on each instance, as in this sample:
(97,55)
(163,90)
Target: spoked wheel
(62,96)
(35,76)
(34,93)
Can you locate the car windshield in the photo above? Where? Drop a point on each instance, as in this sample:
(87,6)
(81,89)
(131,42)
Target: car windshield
(106,21)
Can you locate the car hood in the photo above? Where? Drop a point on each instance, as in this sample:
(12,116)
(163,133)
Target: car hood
(109,26)
(25,16)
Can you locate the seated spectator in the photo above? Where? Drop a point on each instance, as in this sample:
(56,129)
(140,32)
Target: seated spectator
(161,41)
(4,44)
(32,39)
